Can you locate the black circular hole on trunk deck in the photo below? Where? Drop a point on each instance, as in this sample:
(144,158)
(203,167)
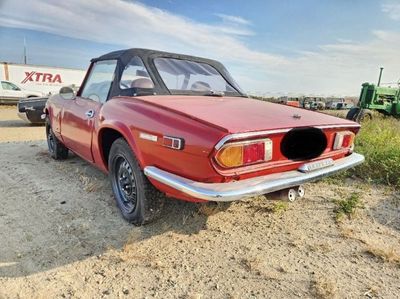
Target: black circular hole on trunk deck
(303,143)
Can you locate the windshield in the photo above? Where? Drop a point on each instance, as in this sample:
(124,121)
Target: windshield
(190,77)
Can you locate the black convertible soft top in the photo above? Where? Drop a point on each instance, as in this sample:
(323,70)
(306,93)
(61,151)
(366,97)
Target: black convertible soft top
(124,57)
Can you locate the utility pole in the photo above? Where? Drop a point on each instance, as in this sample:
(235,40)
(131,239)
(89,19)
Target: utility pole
(24,50)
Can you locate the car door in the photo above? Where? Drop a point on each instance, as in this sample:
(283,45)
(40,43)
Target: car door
(81,113)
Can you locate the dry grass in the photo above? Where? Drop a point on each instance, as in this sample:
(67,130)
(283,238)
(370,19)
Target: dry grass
(207,209)
(372,292)
(212,208)
(337,113)
(89,184)
(321,247)
(386,254)
(348,233)
(324,287)
(381,251)
(257,267)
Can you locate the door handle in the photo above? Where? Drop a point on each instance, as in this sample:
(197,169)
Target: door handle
(89,113)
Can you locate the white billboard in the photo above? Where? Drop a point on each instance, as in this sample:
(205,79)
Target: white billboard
(40,78)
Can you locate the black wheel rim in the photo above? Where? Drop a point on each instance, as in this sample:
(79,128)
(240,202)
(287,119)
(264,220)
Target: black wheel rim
(126,184)
(50,141)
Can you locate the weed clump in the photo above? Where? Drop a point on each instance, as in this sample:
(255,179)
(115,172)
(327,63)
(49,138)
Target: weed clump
(348,206)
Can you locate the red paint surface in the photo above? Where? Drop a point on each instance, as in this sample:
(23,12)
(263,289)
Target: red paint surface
(235,114)
(201,121)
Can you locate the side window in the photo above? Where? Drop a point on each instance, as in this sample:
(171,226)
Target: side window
(9,86)
(135,75)
(99,82)
(5,86)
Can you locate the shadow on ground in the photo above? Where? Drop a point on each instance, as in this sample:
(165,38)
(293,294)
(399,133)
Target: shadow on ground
(17,124)
(56,213)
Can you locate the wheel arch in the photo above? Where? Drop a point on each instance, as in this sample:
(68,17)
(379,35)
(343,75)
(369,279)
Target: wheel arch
(106,137)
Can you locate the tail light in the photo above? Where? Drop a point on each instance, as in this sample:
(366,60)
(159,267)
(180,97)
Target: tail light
(343,139)
(244,153)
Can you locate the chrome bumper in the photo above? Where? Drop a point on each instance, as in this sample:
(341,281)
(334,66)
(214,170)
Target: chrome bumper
(22,115)
(249,187)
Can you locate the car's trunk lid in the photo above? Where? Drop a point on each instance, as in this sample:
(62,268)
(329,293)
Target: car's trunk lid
(238,114)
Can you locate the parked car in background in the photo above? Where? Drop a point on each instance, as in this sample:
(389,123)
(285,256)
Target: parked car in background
(290,101)
(31,109)
(10,93)
(164,123)
(293,103)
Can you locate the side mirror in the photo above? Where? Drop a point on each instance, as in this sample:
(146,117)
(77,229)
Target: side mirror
(67,93)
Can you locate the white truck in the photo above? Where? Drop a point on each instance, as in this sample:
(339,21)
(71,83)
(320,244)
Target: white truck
(11,92)
(23,80)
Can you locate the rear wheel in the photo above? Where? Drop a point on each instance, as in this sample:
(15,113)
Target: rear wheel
(57,150)
(138,200)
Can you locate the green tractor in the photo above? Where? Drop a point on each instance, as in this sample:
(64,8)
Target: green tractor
(385,100)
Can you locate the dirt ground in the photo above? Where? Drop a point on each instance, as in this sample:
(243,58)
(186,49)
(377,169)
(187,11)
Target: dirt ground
(61,236)
(13,128)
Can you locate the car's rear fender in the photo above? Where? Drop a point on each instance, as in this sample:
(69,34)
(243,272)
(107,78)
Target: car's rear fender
(120,129)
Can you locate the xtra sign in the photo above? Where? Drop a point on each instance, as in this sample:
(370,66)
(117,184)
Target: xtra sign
(42,77)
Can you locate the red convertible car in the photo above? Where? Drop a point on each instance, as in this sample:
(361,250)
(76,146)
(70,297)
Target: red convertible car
(162,123)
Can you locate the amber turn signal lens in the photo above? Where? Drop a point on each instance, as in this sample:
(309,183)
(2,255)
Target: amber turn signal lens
(231,156)
(244,153)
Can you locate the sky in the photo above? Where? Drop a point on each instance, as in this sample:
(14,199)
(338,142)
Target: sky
(271,47)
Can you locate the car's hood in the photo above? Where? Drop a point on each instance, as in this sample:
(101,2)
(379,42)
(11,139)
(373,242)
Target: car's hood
(34,92)
(237,114)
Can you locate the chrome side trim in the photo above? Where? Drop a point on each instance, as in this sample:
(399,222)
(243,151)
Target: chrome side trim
(270,132)
(147,136)
(247,135)
(250,187)
(338,126)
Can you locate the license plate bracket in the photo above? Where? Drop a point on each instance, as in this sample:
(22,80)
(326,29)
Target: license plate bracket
(316,165)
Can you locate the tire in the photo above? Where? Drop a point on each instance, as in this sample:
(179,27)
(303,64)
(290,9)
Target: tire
(137,199)
(57,150)
(364,115)
(352,114)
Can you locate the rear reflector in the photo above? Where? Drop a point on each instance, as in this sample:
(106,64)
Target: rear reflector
(343,139)
(253,153)
(244,153)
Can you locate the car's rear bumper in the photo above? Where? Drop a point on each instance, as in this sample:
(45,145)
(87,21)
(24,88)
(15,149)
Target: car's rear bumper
(31,109)
(249,187)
